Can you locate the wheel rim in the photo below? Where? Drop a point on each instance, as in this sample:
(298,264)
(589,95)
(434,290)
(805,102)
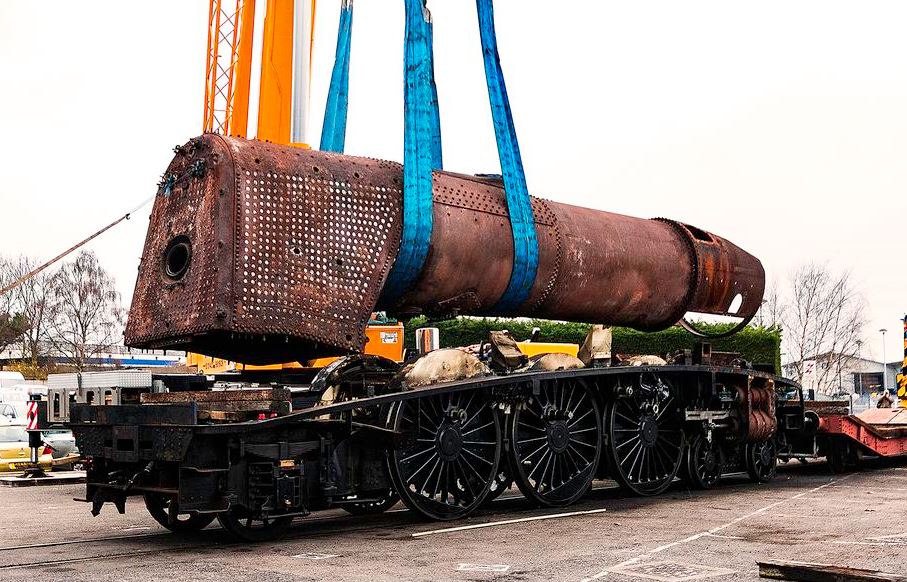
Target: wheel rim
(762,461)
(706,462)
(159,508)
(444,465)
(377,505)
(645,437)
(253,529)
(556,442)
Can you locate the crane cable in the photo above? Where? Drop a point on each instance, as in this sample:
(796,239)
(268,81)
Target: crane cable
(421,150)
(333,131)
(42,267)
(519,204)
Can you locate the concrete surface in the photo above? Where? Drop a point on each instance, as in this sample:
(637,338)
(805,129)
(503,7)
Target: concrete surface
(806,514)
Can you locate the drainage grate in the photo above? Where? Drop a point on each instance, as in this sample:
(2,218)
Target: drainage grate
(670,571)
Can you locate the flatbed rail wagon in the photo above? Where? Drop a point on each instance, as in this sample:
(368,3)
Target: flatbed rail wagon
(846,438)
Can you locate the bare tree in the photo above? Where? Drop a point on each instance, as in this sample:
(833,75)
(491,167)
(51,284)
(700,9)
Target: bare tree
(823,324)
(773,309)
(7,276)
(13,322)
(33,297)
(86,316)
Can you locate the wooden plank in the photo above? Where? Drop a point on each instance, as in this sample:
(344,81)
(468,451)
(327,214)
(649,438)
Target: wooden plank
(256,394)
(132,414)
(246,406)
(804,572)
(223,416)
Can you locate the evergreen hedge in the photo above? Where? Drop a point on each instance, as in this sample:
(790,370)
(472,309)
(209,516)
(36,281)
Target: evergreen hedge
(756,344)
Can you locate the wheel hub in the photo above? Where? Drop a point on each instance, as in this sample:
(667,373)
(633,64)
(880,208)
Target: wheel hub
(558,436)
(450,442)
(765,455)
(710,460)
(648,431)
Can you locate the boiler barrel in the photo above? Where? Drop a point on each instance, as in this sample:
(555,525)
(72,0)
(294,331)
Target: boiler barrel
(266,253)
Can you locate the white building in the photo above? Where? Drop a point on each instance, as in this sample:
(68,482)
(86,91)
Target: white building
(834,374)
(113,356)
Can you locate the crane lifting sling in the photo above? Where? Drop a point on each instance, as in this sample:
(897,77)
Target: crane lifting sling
(423,152)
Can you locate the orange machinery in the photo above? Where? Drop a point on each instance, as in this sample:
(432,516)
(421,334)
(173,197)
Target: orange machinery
(384,339)
(284,44)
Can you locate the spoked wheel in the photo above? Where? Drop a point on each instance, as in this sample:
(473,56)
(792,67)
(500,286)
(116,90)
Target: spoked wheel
(556,442)
(761,461)
(444,466)
(703,463)
(644,446)
(237,522)
(159,508)
(378,504)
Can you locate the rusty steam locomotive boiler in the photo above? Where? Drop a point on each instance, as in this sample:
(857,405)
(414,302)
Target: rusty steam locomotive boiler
(268,253)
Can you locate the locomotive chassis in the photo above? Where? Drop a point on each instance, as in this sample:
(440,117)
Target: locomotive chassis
(345,454)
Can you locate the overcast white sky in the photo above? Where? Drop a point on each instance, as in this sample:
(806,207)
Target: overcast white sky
(780,125)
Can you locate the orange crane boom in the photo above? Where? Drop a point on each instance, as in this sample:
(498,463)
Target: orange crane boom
(284,75)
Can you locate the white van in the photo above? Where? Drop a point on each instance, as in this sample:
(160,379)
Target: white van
(10,379)
(17,391)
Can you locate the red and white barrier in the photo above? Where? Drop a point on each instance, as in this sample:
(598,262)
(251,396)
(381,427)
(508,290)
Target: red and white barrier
(31,415)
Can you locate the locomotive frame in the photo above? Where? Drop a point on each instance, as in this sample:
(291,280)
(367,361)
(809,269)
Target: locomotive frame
(444,449)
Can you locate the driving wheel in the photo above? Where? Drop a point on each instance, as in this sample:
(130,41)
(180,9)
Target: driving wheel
(644,430)
(556,442)
(446,460)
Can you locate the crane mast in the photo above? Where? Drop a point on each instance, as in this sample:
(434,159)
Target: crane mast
(278,36)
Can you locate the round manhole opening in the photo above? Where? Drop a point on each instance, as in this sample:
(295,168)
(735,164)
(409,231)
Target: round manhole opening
(177,258)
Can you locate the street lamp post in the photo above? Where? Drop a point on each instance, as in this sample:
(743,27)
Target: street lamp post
(859,376)
(884,365)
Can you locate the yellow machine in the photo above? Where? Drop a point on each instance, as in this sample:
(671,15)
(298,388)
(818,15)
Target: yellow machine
(14,451)
(384,339)
(537,348)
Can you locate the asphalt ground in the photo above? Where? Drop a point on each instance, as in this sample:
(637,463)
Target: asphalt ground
(805,514)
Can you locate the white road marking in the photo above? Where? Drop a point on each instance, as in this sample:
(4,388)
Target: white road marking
(897,538)
(714,530)
(504,497)
(726,537)
(858,487)
(847,543)
(483,567)
(504,522)
(315,556)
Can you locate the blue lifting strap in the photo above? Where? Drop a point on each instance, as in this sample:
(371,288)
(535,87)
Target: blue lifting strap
(421,150)
(333,131)
(522,223)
